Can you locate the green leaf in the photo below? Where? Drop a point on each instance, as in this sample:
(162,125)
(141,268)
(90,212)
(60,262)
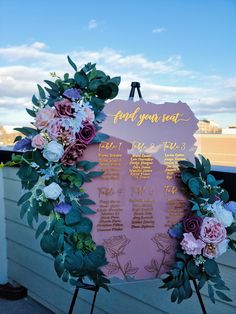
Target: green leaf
(72,63)
(194,186)
(116,80)
(107,91)
(86,201)
(40,229)
(73,217)
(222,296)
(32,113)
(65,276)
(220,285)
(211,294)
(59,265)
(232,245)
(198,164)
(24,198)
(59,227)
(174,295)
(84,226)
(24,210)
(224,195)
(52,85)
(231,229)
(202,281)
(48,243)
(206,164)
(95,174)
(87,211)
(100,137)
(193,269)
(52,92)
(186,176)
(81,79)
(211,267)
(41,92)
(211,180)
(186,163)
(30,218)
(74,262)
(35,101)
(27,131)
(87,165)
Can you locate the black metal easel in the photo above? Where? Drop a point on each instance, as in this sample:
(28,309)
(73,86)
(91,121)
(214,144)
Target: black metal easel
(135,85)
(85,286)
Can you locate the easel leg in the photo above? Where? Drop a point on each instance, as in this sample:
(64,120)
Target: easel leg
(199,297)
(94,299)
(73,300)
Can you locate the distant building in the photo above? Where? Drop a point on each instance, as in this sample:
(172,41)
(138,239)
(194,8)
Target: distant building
(230,130)
(208,127)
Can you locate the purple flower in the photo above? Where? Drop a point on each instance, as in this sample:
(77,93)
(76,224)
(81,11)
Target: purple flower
(190,245)
(63,208)
(72,93)
(231,206)
(24,144)
(176,231)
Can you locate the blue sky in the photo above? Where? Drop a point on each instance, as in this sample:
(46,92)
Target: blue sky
(178,49)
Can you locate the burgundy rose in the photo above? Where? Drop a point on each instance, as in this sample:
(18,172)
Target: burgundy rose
(87,133)
(73,153)
(64,108)
(192,224)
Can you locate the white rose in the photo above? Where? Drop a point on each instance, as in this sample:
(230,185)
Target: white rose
(222,247)
(221,214)
(52,191)
(53,151)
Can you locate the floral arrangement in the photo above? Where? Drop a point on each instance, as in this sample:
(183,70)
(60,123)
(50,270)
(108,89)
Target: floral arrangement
(204,235)
(52,169)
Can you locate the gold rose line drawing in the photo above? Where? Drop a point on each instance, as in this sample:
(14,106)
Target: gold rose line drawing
(115,247)
(164,245)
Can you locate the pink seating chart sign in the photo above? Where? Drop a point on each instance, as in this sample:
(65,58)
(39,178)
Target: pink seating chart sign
(139,195)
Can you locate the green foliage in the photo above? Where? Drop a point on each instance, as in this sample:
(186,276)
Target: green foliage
(203,189)
(66,236)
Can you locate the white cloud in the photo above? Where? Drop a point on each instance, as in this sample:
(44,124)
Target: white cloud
(161,80)
(159,30)
(92,24)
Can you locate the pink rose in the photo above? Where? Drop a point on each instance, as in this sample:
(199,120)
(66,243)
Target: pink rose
(43,117)
(73,153)
(87,133)
(90,115)
(190,245)
(64,108)
(38,141)
(57,131)
(212,231)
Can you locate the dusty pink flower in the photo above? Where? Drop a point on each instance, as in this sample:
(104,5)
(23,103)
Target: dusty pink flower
(215,250)
(90,115)
(64,108)
(57,131)
(190,245)
(38,141)
(43,117)
(73,153)
(212,231)
(115,245)
(87,133)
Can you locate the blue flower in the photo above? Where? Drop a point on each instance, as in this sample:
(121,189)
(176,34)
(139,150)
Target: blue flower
(24,144)
(231,206)
(72,93)
(63,208)
(176,231)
